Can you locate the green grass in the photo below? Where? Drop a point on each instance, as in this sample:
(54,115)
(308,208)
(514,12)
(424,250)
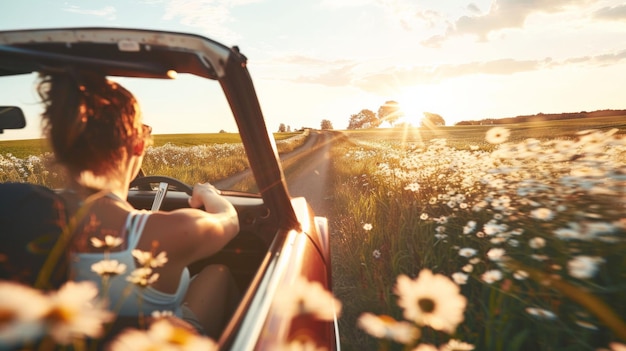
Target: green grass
(34,147)
(462,136)
(188,157)
(495,187)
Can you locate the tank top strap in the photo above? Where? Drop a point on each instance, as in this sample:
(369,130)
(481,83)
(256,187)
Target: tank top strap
(135,222)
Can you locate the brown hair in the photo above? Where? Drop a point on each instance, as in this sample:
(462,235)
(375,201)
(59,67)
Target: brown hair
(91,122)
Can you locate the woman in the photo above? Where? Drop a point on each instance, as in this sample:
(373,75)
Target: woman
(96,132)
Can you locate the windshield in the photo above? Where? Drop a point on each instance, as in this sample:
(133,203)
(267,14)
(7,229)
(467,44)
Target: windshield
(195,137)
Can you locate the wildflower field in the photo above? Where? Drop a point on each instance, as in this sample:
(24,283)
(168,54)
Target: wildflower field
(456,238)
(182,156)
(527,220)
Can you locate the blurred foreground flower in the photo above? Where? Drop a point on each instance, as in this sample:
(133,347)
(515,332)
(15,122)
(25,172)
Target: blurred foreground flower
(307,297)
(108,268)
(162,335)
(497,135)
(75,312)
(21,314)
(109,242)
(72,312)
(147,259)
(385,327)
(142,277)
(431,299)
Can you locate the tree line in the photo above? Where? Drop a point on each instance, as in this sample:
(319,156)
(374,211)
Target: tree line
(544,117)
(390,112)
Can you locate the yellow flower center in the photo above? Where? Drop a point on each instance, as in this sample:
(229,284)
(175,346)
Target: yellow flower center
(60,315)
(427,305)
(387,320)
(6,316)
(179,336)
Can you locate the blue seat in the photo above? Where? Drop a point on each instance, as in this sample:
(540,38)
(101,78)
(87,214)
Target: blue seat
(32,218)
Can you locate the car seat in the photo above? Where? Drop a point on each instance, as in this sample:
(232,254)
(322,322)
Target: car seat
(32,218)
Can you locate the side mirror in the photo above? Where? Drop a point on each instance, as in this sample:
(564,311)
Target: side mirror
(11,117)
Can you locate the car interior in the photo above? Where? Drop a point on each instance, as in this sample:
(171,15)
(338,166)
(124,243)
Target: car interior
(187,87)
(192,105)
(242,255)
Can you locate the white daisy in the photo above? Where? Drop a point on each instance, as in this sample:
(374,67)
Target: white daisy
(367,226)
(162,335)
(543,214)
(385,327)
(459,278)
(431,299)
(468,268)
(142,277)
(467,252)
(497,135)
(496,254)
(307,297)
(108,268)
(75,312)
(22,309)
(146,259)
(109,242)
(583,267)
(491,276)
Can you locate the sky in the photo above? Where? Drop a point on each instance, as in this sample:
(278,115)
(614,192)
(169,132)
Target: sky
(329,59)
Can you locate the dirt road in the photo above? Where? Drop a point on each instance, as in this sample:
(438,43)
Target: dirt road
(306,171)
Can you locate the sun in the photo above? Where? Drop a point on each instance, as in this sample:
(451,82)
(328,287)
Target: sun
(411,106)
(412,113)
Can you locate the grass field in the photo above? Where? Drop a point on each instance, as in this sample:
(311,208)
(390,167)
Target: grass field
(514,240)
(188,157)
(35,147)
(531,231)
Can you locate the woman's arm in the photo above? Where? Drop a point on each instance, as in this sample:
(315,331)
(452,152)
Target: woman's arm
(188,235)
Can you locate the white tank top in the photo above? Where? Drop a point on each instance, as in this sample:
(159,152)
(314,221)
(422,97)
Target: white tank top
(124,297)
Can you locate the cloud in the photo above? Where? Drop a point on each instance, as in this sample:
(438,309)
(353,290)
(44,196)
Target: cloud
(212,16)
(473,8)
(409,14)
(615,13)
(108,12)
(503,14)
(390,79)
(336,77)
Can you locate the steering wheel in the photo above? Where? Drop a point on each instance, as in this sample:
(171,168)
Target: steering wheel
(143,183)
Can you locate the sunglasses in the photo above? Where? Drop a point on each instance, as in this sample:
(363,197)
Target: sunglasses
(147,130)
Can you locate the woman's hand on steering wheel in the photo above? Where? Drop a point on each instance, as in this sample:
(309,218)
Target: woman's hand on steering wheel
(207,195)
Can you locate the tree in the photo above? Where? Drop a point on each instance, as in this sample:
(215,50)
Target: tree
(282,128)
(390,112)
(326,124)
(364,119)
(432,120)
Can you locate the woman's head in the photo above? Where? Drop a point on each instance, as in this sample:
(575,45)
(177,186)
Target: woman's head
(92,123)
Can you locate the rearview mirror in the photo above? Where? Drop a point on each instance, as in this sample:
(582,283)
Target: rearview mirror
(11,117)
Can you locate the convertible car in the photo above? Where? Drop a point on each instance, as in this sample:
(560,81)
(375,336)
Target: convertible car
(187,77)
